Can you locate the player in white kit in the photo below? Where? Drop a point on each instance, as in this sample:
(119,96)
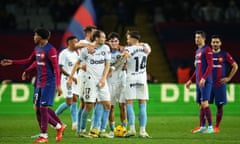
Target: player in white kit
(89,30)
(67,58)
(116,83)
(136,85)
(96,88)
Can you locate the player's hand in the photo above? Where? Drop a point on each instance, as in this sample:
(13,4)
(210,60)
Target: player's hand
(225,80)
(84,68)
(121,48)
(25,76)
(6,62)
(202,83)
(69,82)
(59,90)
(74,80)
(188,83)
(91,49)
(109,74)
(101,83)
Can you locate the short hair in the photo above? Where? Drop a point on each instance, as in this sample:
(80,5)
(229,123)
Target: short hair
(42,32)
(134,34)
(89,28)
(97,34)
(215,37)
(70,38)
(113,35)
(202,33)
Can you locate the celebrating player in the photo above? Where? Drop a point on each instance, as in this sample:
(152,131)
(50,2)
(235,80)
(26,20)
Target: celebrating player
(67,58)
(116,83)
(136,85)
(89,30)
(220,77)
(96,88)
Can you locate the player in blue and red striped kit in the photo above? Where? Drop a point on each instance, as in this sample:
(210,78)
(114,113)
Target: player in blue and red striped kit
(221,59)
(203,73)
(48,80)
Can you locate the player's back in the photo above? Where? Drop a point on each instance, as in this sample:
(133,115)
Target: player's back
(136,63)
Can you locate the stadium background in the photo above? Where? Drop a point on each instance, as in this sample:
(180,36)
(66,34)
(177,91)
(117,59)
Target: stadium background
(168,26)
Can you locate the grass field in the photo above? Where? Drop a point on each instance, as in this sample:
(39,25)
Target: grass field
(163,129)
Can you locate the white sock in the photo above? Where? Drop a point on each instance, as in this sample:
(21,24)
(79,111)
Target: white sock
(44,135)
(58,126)
(142,129)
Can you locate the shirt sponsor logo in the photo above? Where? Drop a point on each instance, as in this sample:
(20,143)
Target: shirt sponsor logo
(97,61)
(41,63)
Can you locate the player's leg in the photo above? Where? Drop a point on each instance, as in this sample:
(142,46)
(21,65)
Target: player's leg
(81,107)
(97,116)
(104,99)
(73,109)
(90,96)
(131,118)
(202,120)
(220,101)
(47,98)
(104,120)
(123,114)
(67,93)
(142,97)
(206,91)
(80,90)
(219,115)
(84,117)
(42,117)
(112,120)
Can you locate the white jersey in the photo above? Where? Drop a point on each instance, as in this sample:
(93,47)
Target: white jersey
(95,62)
(67,59)
(81,73)
(117,81)
(136,63)
(116,74)
(136,84)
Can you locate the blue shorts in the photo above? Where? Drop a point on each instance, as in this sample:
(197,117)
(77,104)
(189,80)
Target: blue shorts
(44,96)
(203,94)
(218,95)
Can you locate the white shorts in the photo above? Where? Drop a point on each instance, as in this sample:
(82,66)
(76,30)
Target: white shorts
(117,92)
(92,93)
(136,90)
(81,82)
(68,91)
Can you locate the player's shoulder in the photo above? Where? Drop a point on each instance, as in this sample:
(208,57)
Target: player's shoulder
(49,48)
(105,46)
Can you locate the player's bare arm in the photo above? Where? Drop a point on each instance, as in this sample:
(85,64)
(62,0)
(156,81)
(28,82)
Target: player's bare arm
(6,62)
(231,74)
(74,69)
(104,75)
(120,61)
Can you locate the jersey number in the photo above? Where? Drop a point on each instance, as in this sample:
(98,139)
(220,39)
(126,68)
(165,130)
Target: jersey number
(140,63)
(87,93)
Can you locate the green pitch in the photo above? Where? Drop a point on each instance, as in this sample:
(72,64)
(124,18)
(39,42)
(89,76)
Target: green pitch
(164,130)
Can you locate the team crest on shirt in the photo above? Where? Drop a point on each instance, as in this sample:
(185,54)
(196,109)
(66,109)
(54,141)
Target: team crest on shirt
(118,56)
(103,53)
(220,59)
(42,55)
